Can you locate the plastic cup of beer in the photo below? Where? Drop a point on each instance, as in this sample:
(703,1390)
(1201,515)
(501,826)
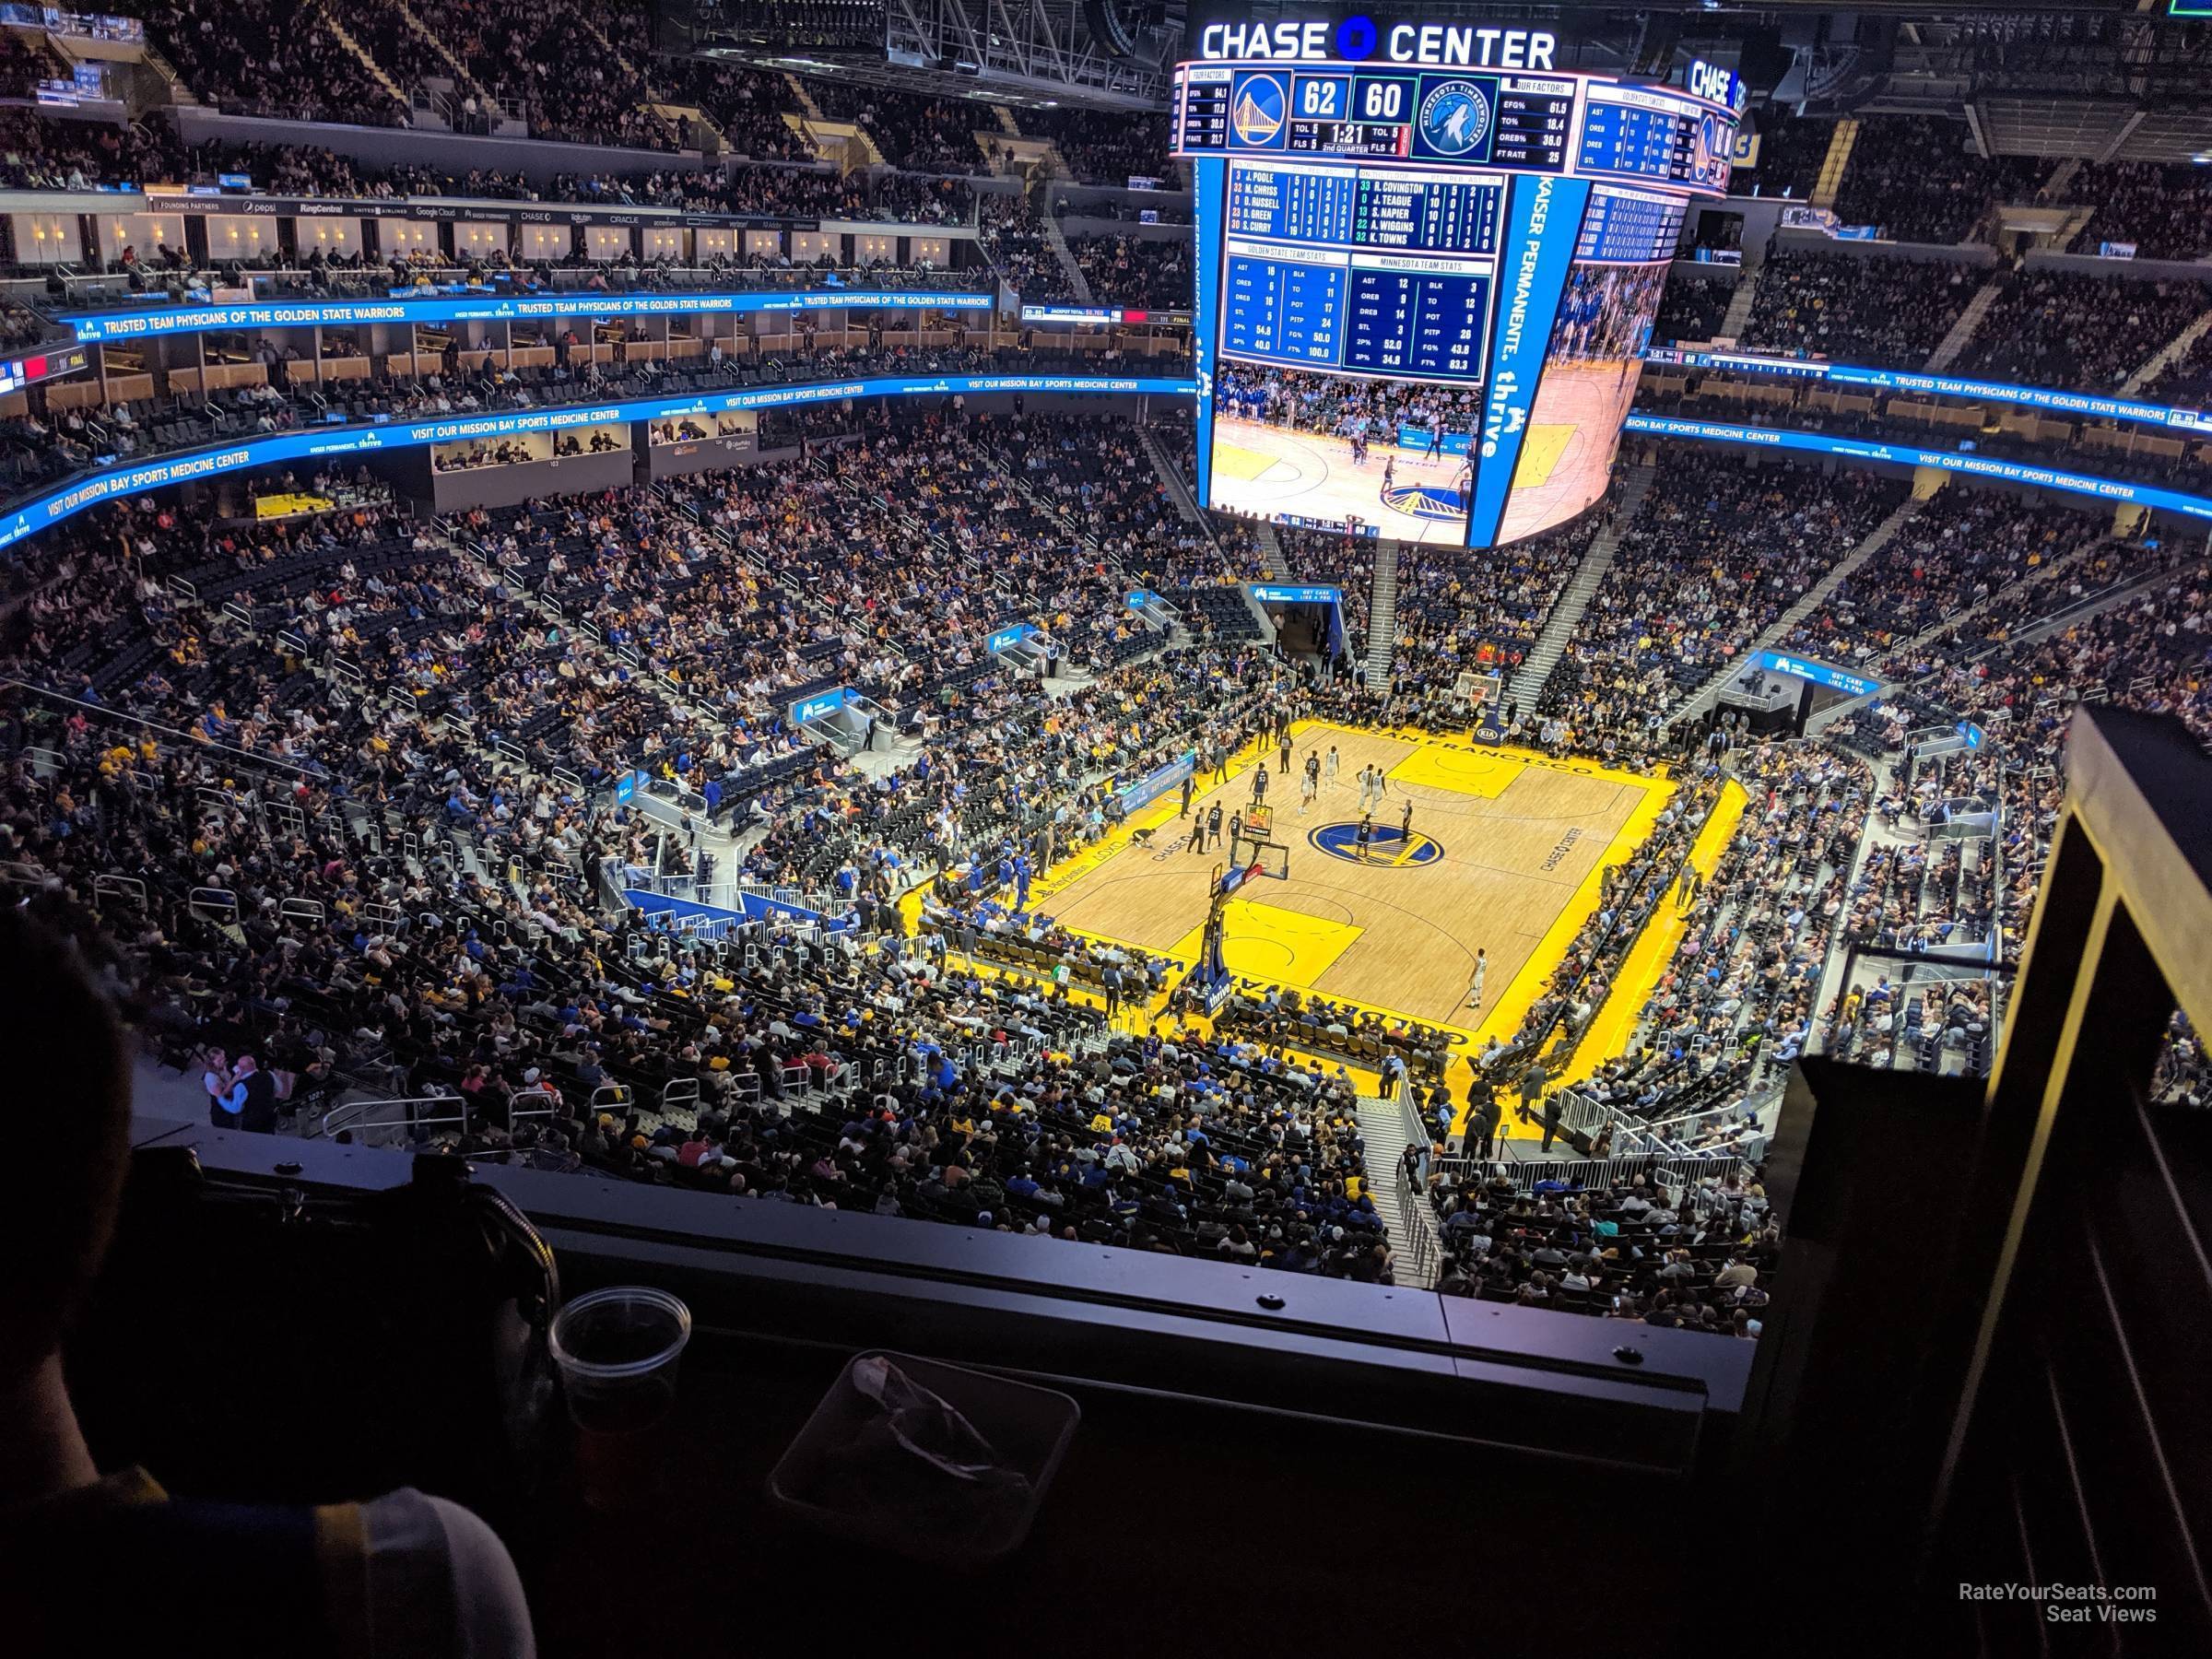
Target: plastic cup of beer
(617,1351)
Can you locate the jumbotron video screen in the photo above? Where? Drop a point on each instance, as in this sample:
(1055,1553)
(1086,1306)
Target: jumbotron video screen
(1425,275)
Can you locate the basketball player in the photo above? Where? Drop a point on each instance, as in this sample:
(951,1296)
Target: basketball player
(1365,837)
(1259,784)
(1328,767)
(1308,787)
(1482,968)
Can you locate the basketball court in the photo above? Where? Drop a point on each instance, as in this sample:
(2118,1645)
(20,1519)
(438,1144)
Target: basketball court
(1264,469)
(1504,856)
(1565,461)
(1567,456)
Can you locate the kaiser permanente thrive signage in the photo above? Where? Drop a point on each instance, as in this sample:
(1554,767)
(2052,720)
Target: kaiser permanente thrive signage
(319,441)
(1951,461)
(496,307)
(1267,594)
(1939,385)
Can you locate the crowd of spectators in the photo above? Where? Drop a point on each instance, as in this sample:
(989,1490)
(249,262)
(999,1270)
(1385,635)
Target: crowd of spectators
(921,134)
(1718,550)
(1919,179)
(1693,308)
(575,70)
(1136,271)
(1479,613)
(746,105)
(1956,551)
(2086,333)
(261,57)
(2164,211)
(1886,312)
(1106,147)
(1014,242)
(1791,149)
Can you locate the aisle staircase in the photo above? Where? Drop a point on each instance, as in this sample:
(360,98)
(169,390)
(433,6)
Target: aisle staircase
(1833,164)
(1962,332)
(1383,614)
(1528,679)
(1271,551)
(1738,316)
(376,70)
(2167,355)
(461,77)
(806,103)
(1057,242)
(1810,601)
(1383,1133)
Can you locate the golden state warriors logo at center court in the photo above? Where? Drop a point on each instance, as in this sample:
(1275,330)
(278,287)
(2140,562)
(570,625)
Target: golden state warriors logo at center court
(1258,112)
(1385,849)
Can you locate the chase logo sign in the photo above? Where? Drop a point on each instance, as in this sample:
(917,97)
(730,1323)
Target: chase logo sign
(1386,848)
(1357,39)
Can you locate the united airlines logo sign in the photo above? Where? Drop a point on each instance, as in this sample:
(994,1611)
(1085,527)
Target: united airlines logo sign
(1456,118)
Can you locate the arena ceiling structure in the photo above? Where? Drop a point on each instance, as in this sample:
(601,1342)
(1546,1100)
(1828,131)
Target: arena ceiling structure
(2114,82)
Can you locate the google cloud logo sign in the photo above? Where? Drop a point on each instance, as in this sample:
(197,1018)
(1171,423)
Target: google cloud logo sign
(1356,38)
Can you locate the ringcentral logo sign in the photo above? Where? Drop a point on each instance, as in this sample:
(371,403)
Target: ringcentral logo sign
(1357,39)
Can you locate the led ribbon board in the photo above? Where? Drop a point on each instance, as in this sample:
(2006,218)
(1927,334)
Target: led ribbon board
(99,325)
(317,443)
(1949,460)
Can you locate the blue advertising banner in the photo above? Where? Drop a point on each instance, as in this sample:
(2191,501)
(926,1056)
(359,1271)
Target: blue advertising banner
(756,909)
(1006,639)
(1157,782)
(1270,593)
(94,326)
(1821,674)
(1140,598)
(818,705)
(1951,461)
(1417,437)
(317,443)
(1543,220)
(1940,385)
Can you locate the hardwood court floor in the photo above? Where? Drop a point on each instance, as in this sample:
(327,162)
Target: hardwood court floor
(1506,846)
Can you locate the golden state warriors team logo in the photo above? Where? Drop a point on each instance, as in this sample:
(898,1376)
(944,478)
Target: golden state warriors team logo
(1386,849)
(1430,501)
(1257,114)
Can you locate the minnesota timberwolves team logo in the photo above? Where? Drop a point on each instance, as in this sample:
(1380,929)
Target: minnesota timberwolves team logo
(1456,118)
(1257,114)
(1386,847)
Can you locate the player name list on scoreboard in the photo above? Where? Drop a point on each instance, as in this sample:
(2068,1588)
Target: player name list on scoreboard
(1426,212)
(1378,272)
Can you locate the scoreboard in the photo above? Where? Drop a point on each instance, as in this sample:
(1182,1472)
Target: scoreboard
(1573,124)
(1367,230)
